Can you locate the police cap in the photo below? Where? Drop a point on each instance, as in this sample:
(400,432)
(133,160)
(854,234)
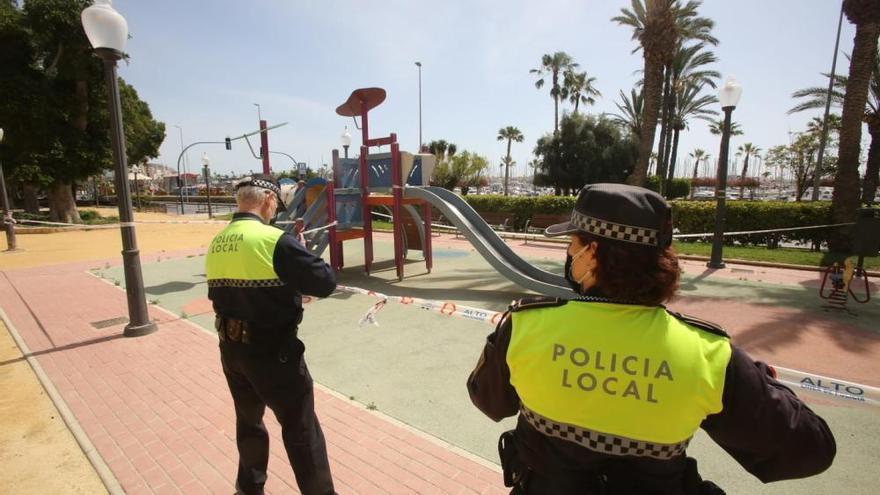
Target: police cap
(620,212)
(264,181)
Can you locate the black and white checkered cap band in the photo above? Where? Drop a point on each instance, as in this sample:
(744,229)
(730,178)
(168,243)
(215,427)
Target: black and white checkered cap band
(245,284)
(603,443)
(260,183)
(617,231)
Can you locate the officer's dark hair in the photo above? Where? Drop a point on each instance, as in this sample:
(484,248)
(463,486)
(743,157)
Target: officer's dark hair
(631,272)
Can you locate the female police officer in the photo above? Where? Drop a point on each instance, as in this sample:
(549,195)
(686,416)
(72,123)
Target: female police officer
(610,387)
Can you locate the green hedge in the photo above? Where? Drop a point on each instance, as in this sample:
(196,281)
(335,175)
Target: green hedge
(678,188)
(690,217)
(699,216)
(520,208)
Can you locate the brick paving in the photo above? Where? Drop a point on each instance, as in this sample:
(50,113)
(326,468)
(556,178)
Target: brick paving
(158,411)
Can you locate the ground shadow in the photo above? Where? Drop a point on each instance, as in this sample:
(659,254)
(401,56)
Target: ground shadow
(171,287)
(67,347)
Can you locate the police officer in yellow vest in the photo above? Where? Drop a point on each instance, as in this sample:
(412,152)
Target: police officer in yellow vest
(257,275)
(611,386)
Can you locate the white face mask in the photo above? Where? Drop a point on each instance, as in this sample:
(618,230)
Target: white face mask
(569,261)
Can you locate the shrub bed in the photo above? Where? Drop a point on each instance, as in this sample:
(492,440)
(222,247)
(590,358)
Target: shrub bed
(691,217)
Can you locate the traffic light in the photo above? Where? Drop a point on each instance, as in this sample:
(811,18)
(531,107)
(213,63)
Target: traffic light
(229,143)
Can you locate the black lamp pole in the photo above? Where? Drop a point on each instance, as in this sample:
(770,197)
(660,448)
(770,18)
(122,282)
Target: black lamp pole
(138,318)
(208,189)
(6,220)
(720,194)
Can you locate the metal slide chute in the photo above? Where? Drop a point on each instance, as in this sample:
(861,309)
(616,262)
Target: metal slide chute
(489,245)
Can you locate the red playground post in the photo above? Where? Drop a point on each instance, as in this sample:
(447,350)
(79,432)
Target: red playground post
(359,104)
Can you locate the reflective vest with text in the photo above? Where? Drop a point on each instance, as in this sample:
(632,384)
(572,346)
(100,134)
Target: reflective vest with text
(626,370)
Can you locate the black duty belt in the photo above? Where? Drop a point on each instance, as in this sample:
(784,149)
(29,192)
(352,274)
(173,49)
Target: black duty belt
(241,331)
(232,330)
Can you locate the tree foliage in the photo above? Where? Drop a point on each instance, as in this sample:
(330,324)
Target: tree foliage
(55,93)
(464,170)
(587,149)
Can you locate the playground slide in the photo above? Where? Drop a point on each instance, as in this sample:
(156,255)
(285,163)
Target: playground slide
(489,245)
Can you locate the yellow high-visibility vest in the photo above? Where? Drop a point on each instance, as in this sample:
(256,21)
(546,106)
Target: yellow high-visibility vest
(629,371)
(241,255)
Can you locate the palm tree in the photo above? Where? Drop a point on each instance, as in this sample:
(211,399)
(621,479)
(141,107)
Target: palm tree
(578,88)
(554,65)
(697,155)
(511,134)
(442,149)
(688,71)
(747,149)
(815,99)
(865,14)
(654,26)
(660,26)
(716,127)
(630,116)
(691,105)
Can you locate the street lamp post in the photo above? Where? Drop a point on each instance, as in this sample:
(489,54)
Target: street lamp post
(107,32)
(419,65)
(181,184)
(346,141)
(7,209)
(728,96)
(206,162)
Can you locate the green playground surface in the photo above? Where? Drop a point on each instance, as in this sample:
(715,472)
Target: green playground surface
(413,365)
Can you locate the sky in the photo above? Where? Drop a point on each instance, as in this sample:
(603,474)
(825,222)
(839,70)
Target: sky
(202,65)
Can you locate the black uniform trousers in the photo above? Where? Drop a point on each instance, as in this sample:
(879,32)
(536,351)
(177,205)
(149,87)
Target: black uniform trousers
(274,374)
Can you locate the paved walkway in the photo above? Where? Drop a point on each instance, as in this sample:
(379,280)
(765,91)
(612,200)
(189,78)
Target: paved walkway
(158,412)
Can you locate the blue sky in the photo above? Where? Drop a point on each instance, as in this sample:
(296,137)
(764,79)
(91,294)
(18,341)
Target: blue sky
(201,65)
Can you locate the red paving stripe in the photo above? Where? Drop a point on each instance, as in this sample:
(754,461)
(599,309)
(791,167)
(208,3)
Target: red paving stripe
(158,411)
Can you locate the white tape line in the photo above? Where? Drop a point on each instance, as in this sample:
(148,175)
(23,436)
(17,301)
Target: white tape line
(447,308)
(323,227)
(767,231)
(799,380)
(829,387)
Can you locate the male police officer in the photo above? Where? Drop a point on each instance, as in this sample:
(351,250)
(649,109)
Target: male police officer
(611,387)
(256,277)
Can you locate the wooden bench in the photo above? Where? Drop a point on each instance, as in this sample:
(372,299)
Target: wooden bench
(497,221)
(540,221)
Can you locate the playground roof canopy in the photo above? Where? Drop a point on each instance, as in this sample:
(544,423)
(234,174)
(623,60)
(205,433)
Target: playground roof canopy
(363,99)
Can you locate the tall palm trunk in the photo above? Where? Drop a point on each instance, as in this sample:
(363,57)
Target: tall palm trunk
(742,178)
(670,104)
(845,199)
(694,177)
(507,166)
(869,184)
(651,109)
(673,156)
(555,102)
(664,127)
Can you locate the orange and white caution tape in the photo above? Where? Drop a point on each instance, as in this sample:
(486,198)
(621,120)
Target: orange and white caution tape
(445,308)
